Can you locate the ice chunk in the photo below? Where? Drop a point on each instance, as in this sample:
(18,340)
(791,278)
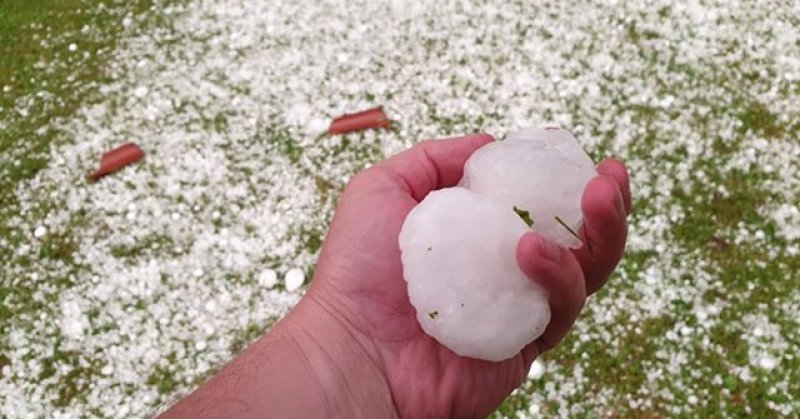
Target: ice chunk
(40,232)
(542,171)
(537,370)
(268,278)
(459,259)
(294,279)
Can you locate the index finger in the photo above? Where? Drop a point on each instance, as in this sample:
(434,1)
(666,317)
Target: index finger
(616,170)
(433,164)
(604,229)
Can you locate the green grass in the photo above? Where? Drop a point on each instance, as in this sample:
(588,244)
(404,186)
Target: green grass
(35,61)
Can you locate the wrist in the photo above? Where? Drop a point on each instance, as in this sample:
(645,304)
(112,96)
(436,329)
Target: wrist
(348,375)
(309,365)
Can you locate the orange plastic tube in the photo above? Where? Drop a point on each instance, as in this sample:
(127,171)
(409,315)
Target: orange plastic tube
(116,159)
(371,118)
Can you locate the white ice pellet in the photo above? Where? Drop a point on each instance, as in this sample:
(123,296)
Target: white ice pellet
(294,279)
(768,363)
(268,278)
(537,370)
(140,91)
(211,306)
(40,231)
(458,246)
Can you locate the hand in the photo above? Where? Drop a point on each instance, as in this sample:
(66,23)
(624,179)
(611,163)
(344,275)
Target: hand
(353,347)
(360,278)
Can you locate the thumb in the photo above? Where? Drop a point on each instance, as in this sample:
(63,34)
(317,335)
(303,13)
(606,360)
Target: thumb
(558,272)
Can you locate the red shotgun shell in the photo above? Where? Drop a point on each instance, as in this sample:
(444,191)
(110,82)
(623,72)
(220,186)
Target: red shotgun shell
(116,159)
(371,118)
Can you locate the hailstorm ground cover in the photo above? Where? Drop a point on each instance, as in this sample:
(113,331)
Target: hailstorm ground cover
(119,296)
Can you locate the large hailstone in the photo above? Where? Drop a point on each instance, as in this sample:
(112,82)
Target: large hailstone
(459,244)
(459,259)
(541,171)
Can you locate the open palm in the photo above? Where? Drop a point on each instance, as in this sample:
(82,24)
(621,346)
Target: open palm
(359,279)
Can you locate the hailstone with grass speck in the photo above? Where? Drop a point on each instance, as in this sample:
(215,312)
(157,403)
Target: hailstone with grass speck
(458,246)
(540,171)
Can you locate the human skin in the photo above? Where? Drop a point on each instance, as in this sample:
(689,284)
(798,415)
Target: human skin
(353,347)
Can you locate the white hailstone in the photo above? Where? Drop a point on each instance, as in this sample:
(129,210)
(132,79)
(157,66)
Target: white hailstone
(317,125)
(458,245)
(459,259)
(542,171)
(209,330)
(294,279)
(537,370)
(268,278)
(40,231)
(768,363)
(200,345)
(72,328)
(211,306)
(73,47)
(123,411)
(140,91)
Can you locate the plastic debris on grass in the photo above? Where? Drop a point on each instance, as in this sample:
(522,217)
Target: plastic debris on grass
(117,159)
(369,119)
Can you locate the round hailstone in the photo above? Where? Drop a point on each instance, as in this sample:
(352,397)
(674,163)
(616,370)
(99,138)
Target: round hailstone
(40,231)
(459,260)
(539,171)
(140,91)
(294,279)
(768,363)
(268,278)
(537,370)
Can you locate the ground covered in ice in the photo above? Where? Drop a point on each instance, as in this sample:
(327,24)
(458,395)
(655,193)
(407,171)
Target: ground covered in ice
(118,296)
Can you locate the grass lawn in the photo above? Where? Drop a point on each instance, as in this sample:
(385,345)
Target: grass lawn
(117,297)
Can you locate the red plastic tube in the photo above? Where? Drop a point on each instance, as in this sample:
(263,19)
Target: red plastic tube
(371,118)
(116,159)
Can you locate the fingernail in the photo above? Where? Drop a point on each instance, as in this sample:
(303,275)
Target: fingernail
(549,250)
(620,206)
